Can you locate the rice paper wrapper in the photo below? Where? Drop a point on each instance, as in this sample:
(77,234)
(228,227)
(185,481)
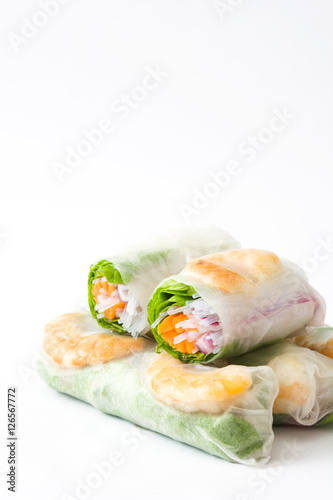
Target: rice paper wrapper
(142,267)
(280,307)
(241,433)
(318,339)
(305,382)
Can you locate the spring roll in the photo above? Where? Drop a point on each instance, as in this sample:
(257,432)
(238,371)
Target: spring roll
(226,412)
(319,340)
(305,382)
(225,304)
(119,287)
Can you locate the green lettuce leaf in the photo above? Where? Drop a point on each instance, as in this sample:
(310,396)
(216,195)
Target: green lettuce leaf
(129,270)
(326,420)
(172,293)
(227,436)
(107,269)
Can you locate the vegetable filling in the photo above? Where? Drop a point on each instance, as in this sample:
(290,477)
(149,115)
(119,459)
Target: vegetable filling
(117,303)
(192,328)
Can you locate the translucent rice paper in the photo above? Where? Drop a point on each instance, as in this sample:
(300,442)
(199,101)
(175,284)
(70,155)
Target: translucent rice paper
(318,339)
(305,381)
(143,266)
(241,432)
(279,307)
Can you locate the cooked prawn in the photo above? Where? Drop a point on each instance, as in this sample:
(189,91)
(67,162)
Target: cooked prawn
(190,390)
(294,386)
(325,347)
(69,343)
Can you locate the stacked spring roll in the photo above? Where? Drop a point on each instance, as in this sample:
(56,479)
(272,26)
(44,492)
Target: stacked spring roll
(319,340)
(305,382)
(119,287)
(226,412)
(215,309)
(225,304)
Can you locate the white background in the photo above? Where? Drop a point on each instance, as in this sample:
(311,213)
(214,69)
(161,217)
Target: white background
(226,76)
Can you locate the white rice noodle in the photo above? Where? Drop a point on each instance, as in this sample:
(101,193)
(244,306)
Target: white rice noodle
(137,325)
(177,310)
(123,292)
(159,319)
(187,324)
(131,317)
(193,335)
(180,338)
(103,305)
(132,304)
(213,318)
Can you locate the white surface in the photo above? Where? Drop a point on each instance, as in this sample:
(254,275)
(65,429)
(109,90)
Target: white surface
(225,78)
